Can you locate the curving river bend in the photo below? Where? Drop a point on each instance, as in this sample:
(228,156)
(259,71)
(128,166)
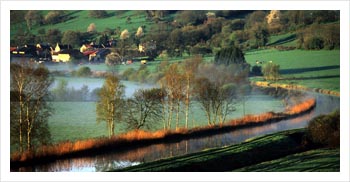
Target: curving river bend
(324,104)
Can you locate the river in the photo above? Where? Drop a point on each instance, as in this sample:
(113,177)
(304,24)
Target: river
(324,104)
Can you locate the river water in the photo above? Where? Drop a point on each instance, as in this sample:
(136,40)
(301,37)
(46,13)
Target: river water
(325,104)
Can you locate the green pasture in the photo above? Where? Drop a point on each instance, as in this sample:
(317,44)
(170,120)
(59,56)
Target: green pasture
(314,69)
(80,21)
(77,120)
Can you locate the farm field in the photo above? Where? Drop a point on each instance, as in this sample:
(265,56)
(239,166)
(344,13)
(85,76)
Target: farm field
(314,69)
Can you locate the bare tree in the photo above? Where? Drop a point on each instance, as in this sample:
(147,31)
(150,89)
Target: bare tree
(218,91)
(109,107)
(216,100)
(173,83)
(144,109)
(29,91)
(190,67)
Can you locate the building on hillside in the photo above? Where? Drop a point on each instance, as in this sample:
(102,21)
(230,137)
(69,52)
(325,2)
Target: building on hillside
(25,51)
(90,54)
(60,47)
(84,48)
(100,55)
(62,53)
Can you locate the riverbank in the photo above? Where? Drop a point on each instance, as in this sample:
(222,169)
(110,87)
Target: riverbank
(294,87)
(273,152)
(139,138)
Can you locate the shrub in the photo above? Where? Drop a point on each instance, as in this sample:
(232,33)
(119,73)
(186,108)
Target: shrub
(271,71)
(83,72)
(52,17)
(314,43)
(127,73)
(325,130)
(256,70)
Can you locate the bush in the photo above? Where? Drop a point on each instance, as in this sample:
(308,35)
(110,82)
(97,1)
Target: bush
(271,71)
(127,73)
(314,43)
(325,130)
(83,72)
(256,70)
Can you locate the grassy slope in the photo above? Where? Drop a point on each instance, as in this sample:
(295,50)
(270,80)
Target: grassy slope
(283,147)
(319,160)
(314,69)
(81,21)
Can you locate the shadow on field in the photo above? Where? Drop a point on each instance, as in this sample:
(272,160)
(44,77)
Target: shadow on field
(302,70)
(311,77)
(284,40)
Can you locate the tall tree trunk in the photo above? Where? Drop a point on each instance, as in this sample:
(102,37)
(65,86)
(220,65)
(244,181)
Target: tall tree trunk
(177,114)
(29,142)
(112,128)
(187,101)
(112,119)
(164,115)
(208,117)
(170,115)
(28,129)
(20,124)
(21,105)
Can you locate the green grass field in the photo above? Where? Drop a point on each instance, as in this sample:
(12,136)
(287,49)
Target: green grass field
(274,152)
(314,69)
(81,21)
(319,160)
(70,117)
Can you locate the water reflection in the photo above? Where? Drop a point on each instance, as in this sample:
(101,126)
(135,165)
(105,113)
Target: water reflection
(120,159)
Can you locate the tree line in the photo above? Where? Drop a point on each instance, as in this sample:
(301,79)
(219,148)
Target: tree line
(215,87)
(189,32)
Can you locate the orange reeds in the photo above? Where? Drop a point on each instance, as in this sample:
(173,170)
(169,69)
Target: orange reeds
(141,135)
(301,107)
(248,119)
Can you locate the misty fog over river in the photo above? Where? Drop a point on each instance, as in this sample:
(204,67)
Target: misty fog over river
(94,83)
(119,159)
